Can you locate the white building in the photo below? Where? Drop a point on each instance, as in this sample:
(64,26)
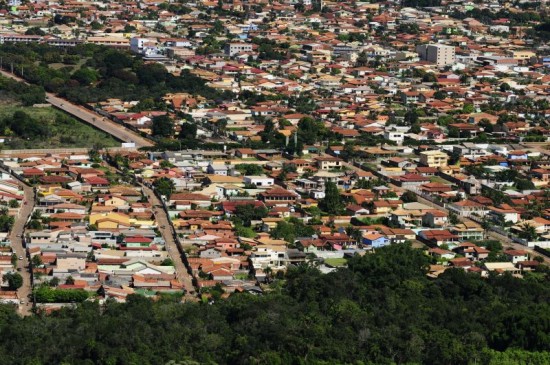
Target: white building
(262,181)
(273,256)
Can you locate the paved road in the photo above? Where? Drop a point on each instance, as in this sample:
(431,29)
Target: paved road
(176,254)
(16,238)
(106,125)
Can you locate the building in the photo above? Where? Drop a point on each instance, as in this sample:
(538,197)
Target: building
(232,49)
(262,181)
(439,54)
(434,158)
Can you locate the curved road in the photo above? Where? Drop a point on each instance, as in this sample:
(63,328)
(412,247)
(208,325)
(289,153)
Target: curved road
(116,130)
(16,239)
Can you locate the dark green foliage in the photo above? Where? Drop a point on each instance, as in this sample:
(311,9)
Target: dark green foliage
(46,294)
(164,186)
(332,202)
(381,310)
(250,169)
(246,213)
(163,126)
(291,230)
(107,73)
(14,280)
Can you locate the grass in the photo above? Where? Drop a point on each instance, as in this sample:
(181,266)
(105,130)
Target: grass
(69,133)
(334,262)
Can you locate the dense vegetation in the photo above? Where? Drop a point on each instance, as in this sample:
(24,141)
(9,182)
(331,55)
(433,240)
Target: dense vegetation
(381,310)
(89,73)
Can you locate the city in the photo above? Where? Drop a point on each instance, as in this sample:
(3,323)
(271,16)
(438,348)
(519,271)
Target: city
(273,182)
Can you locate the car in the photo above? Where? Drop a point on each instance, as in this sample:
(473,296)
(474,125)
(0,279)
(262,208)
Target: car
(20,257)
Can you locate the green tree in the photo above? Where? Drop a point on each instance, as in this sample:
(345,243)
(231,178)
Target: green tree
(163,126)
(332,202)
(468,108)
(164,186)
(14,280)
(409,197)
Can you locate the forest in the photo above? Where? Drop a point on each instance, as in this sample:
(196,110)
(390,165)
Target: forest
(382,309)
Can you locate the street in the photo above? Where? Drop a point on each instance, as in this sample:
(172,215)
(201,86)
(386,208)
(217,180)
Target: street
(116,130)
(172,248)
(16,238)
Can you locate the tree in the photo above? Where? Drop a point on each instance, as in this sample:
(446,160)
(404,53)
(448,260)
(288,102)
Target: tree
(164,186)
(524,184)
(468,108)
(36,261)
(167,262)
(15,280)
(528,232)
(504,87)
(332,202)
(409,197)
(163,126)
(69,280)
(453,218)
(13,203)
(246,213)
(85,76)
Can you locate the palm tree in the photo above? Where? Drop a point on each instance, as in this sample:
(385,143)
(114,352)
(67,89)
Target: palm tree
(528,232)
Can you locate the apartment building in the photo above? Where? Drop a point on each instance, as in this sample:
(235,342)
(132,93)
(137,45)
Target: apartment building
(433,158)
(439,54)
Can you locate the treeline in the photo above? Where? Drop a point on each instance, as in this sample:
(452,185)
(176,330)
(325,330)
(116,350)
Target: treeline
(107,73)
(381,310)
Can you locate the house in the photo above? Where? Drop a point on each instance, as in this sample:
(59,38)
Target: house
(278,196)
(440,253)
(466,208)
(435,218)
(375,240)
(504,213)
(217,169)
(328,163)
(516,256)
(501,267)
(259,181)
(438,236)
(271,256)
(468,231)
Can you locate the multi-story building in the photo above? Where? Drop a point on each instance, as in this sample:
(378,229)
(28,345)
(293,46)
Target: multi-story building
(232,49)
(439,54)
(433,158)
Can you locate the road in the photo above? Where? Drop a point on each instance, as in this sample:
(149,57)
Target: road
(174,250)
(16,239)
(116,130)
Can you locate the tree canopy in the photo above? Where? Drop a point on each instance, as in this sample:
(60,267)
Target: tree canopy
(382,309)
